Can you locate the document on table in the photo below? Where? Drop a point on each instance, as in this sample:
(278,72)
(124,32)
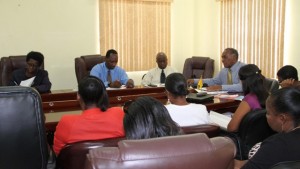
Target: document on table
(212,92)
(217,92)
(28,82)
(220,119)
(111,88)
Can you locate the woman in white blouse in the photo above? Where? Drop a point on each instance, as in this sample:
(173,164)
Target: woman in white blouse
(182,112)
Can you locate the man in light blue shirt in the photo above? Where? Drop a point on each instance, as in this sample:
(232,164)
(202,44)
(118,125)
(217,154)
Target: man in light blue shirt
(220,82)
(111,75)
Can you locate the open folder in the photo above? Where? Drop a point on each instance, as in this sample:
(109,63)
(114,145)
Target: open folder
(28,82)
(220,119)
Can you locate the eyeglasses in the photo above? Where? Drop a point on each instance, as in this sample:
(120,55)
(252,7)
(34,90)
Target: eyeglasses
(32,65)
(126,105)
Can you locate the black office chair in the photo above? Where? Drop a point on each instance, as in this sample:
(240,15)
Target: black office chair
(253,129)
(287,165)
(23,142)
(271,84)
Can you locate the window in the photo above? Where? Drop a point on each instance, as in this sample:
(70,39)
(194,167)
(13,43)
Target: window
(256,29)
(137,29)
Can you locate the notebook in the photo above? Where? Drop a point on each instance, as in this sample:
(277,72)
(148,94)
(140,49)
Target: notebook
(193,98)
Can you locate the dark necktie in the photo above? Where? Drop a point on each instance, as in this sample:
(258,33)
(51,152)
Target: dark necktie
(162,76)
(109,76)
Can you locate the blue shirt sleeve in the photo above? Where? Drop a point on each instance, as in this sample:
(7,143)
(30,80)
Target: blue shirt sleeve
(221,79)
(119,74)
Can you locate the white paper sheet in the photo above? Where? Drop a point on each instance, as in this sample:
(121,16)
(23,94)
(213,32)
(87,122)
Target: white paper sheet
(220,119)
(28,82)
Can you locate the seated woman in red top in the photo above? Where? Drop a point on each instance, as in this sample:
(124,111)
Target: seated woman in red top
(97,121)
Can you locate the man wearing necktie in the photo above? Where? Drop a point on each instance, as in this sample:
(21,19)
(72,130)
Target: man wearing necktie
(227,79)
(158,75)
(111,75)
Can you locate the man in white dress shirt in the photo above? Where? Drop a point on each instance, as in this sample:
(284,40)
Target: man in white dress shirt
(158,75)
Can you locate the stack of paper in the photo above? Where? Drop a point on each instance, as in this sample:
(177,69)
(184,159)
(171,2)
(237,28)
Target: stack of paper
(112,88)
(220,119)
(217,92)
(212,92)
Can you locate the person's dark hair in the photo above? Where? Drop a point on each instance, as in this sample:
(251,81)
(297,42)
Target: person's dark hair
(176,84)
(93,91)
(253,82)
(287,72)
(39,57)
(233,51)
(111,51)
(287,100)
(146,117)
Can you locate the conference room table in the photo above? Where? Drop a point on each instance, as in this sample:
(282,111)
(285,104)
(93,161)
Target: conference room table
(61,102)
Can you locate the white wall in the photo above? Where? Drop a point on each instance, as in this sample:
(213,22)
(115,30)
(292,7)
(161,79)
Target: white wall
(63,30)
(292,34)
(182,32)
(195,31)
(207,39)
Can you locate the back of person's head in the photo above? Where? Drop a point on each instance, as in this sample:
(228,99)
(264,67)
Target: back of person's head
(253,82)
(146,117)
(92,91)
(287,100)
(176,84)
(110,51)
(232,51)
(288,72)
(39,57)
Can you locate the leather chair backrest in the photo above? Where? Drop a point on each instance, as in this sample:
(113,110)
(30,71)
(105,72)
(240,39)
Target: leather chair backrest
(73,155)
(271,84)
(193,151)
(9,64)
(209,129)
(23,141)
(84,64)
(253,129)
(287,165)
(196,66)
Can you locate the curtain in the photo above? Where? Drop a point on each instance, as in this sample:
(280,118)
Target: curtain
(137,29)
(256,29)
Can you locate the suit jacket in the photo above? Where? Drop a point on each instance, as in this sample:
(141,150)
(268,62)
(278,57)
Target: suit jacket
(41,82)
